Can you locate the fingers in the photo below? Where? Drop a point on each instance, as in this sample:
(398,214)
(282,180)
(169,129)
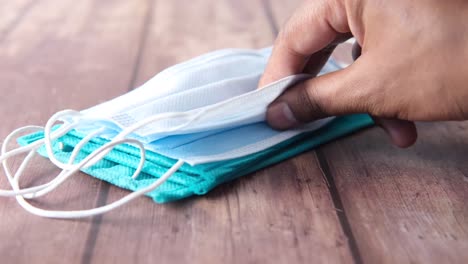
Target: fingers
(312,27)
(343,92)
(402,133)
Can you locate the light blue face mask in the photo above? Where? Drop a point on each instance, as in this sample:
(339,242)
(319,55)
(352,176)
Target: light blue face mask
(187,130)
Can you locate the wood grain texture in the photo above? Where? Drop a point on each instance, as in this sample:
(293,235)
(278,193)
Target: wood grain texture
(55,55)
(406,206)
(355,200)
(281,214)
(12,13)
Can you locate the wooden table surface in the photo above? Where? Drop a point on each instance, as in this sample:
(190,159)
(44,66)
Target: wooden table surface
(356,200)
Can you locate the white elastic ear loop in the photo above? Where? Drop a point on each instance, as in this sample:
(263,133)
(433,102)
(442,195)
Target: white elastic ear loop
(62,176)
(37,191)
(99,210)
(124,133)
(59,179)
(70,168)
(56,134)
(29,192)
(80,145)
(40,190)
(48,139)
(31,148)
(120,138)
(127,131)
(90,212)
(65,174)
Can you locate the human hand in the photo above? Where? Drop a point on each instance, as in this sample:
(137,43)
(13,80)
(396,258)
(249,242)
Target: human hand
(413,64)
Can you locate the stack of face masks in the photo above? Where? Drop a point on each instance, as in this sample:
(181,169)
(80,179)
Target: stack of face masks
(188,129)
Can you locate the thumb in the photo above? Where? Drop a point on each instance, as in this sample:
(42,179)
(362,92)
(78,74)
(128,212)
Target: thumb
(346,91)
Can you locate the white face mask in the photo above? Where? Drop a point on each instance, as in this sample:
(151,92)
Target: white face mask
(207,109)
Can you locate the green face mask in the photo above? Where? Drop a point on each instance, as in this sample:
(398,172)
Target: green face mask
(118,166)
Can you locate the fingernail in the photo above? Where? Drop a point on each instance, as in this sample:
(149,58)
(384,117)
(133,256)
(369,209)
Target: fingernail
(280,116)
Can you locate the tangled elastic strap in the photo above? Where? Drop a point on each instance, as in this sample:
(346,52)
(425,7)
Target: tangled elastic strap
(70,168)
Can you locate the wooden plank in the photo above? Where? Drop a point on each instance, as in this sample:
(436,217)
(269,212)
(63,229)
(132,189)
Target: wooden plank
(12,13)
(203,27)
(406,206)
(60,54)
(281,214)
